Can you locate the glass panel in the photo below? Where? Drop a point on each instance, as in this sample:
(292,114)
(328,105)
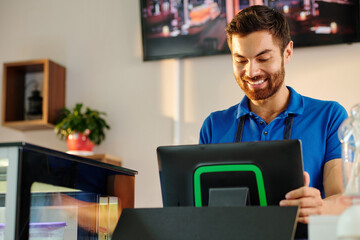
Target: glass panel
(65,213)
(58,196)
(4,163)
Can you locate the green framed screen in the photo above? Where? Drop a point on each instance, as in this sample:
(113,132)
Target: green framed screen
(229,168)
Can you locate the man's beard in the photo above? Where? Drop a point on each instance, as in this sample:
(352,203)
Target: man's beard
(274,82)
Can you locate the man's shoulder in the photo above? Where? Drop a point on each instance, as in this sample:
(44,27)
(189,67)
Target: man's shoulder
(217,124)
(328,107)
(231,111)
(318,103)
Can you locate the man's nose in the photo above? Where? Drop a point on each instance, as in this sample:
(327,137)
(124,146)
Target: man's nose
(252,69)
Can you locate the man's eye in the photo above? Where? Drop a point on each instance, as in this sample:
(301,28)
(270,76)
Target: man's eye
(263,59)
(242,61)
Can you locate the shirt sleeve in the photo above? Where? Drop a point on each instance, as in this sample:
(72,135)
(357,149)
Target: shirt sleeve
(206,131)
(333,145)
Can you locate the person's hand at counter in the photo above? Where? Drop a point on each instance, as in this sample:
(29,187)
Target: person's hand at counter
(307,198)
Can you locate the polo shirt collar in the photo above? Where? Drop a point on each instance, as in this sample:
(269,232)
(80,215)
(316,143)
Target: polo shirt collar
(296,105)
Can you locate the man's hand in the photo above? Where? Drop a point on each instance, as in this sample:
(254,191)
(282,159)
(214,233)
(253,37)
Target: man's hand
(307,198)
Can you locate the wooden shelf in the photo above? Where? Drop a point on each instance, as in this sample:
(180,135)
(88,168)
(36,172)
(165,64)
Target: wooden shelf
(105,158)
(15,83)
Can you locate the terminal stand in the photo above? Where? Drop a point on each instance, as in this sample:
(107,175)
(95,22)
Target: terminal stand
(229,197)
(207,223)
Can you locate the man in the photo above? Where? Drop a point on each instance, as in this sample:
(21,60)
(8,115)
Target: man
(260,44)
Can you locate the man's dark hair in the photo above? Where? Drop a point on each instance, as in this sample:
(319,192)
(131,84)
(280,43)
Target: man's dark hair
(259,18)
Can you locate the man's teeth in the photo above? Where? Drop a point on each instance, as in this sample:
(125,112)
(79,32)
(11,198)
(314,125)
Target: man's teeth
(257,82)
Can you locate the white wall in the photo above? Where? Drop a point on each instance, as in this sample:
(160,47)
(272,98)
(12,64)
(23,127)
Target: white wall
(99,43)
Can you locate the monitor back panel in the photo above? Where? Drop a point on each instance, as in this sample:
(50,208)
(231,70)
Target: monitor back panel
(279,161)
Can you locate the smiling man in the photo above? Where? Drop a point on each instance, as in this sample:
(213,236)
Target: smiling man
(260,44)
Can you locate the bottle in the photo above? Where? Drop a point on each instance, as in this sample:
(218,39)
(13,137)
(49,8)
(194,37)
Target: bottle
(349,135)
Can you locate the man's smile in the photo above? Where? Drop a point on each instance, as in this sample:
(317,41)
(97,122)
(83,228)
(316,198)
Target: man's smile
(256,84)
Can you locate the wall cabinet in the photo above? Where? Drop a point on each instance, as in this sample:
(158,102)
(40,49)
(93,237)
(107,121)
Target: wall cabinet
(20,79)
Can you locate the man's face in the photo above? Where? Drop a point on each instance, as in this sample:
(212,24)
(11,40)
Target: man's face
(258,64)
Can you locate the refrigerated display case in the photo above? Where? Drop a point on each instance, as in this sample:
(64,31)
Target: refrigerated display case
(47,194)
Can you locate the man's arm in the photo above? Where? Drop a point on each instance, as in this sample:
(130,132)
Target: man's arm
(309,198)
(333,187)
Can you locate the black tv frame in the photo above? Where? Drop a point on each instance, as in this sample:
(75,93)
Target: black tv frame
(192,45)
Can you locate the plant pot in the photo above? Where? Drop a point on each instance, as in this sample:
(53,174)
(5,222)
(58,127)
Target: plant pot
(79,142)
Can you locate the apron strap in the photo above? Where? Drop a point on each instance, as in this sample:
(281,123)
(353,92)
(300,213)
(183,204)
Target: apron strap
(287,131)
(240,129)
(288,126)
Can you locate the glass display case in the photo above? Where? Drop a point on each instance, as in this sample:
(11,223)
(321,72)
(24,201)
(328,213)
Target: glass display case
(47,194)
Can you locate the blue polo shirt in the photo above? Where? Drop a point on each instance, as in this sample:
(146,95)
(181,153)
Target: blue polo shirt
(315,123)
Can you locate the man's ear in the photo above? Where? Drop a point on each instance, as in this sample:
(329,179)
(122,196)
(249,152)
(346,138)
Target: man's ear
(288,52)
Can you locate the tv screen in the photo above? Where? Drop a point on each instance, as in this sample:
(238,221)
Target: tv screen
(189,28)
(177,29)
(320,22)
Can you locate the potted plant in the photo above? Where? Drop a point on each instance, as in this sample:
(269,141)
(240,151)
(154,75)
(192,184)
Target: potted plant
(82,130)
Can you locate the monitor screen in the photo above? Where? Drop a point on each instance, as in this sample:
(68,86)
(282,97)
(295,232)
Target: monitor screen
(268,169)
(189,28)
(177,29)
(321,22)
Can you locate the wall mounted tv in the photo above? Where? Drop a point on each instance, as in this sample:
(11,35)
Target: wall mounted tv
(190,28)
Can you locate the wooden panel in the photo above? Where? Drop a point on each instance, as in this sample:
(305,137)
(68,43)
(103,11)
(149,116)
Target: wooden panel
(123,187)
(105,158)
(29,125)
(3,97)
(14,95)
(45,102)
(31,65)
(56,91)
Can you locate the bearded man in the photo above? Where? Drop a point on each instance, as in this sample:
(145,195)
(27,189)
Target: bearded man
(260,44)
